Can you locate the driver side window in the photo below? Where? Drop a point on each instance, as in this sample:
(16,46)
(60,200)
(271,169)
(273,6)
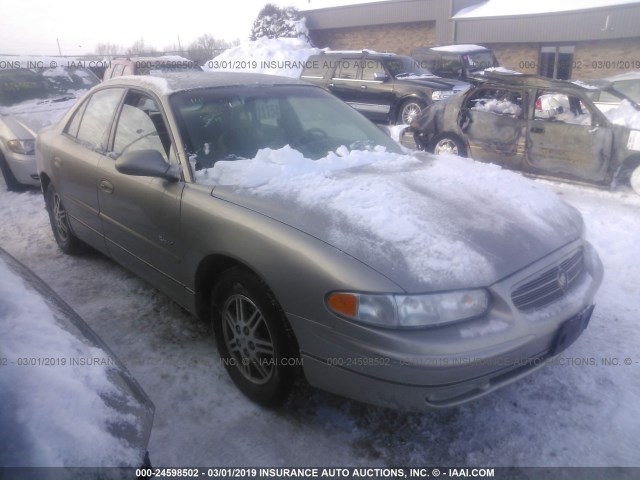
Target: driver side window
(141,127)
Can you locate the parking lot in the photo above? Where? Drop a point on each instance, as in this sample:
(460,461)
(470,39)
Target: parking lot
(581,410)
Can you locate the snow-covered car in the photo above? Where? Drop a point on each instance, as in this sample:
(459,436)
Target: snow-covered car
(30,101)
(311,241)
(67,401)
(539,126)
(462,62)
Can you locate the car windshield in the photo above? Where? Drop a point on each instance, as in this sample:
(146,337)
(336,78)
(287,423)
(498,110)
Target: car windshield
(18,85)
(406,67)
(610,94)
(235,122)
(479,60)
(630,88)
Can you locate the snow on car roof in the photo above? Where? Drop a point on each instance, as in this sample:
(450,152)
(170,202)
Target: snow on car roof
(504,8)
(459,48)
(168,83)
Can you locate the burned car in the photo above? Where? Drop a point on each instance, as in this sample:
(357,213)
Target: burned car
(539,126)
(254,201)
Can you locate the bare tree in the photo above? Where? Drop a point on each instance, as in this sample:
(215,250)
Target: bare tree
(206,47)
(108,50)
(140,49)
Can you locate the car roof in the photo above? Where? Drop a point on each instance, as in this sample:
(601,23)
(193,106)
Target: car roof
(350,53)
(165,84)
(523,80)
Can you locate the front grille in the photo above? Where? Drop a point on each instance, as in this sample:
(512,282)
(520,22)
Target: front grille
(551,285)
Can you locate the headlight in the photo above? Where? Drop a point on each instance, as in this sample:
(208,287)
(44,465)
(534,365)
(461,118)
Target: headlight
(441,94)
(410,311)
(24,147)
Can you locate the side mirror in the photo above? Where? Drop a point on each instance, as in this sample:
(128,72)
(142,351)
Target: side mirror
(145,163)
(380,76)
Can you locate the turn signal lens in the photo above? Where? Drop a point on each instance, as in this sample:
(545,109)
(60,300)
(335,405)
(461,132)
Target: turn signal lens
(344,303)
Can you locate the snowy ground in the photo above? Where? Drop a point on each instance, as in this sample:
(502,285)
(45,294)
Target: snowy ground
(578,412)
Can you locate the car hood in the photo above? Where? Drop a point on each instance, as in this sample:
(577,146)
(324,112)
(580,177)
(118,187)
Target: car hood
(434,82)
(427,224)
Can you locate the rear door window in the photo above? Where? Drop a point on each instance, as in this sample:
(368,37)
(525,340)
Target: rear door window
(96,121)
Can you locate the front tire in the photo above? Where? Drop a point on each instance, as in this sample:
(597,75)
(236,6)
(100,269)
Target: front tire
(409,111)
(65,238)
(448,144)
(255,341)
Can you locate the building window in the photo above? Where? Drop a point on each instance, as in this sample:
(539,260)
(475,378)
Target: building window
(556,62)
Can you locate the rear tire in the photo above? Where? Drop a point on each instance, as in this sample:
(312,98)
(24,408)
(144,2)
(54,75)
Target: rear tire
(446,143)
(65,238)
(9,178)
(254,339)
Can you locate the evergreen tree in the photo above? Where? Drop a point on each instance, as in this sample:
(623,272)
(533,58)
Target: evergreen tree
(275,22)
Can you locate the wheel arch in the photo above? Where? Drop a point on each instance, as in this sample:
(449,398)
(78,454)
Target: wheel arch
(207,274)
(44,184)
(627,166)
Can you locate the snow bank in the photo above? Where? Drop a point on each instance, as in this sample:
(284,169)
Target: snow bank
(281,56)
(57,410)
(624,115)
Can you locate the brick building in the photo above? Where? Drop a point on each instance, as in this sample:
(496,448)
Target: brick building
(566,39)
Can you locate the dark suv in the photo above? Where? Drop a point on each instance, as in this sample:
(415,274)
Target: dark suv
(461,62)
(382,86)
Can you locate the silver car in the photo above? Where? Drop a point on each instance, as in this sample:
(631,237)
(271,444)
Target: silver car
(30,101)
(314,244)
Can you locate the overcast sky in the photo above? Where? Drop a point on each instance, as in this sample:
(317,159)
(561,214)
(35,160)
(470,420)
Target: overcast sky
(31,27)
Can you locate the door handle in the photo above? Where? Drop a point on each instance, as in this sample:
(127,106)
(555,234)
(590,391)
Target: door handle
(331,85)
(363,87)
(106,186)
(537,130)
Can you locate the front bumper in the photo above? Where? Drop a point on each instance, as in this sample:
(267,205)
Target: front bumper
(446,366)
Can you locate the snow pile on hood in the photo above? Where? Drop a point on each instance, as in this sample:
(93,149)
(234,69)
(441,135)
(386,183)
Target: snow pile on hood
(56,411)
(279,56)
(625,114)
(444,222)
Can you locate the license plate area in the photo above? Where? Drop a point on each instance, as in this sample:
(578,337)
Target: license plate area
(570,330)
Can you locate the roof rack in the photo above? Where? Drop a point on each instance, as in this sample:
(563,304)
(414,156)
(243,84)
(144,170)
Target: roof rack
(353,52)
(526,79)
